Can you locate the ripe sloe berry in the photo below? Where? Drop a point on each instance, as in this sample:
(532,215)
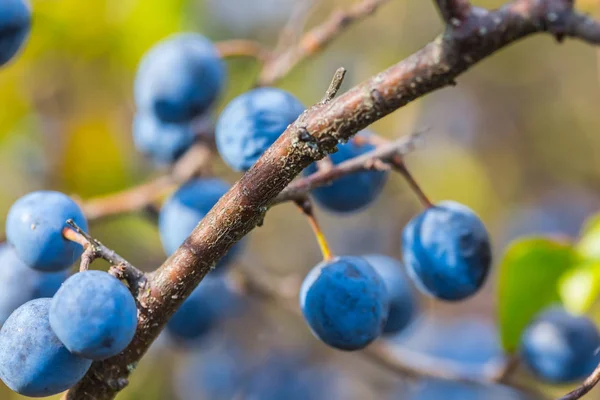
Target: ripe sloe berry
(33,361)
(403,302)
(21,284)
(179,78)
(345,302)
(252,122)
(15,24)
(34,227)
(559,347)
(94,315)
(447,251)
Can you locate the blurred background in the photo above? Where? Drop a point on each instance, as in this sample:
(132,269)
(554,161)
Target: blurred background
(516,141)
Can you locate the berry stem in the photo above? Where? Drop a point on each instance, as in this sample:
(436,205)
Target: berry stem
(75,236)
(509,368)
(397,163)
(306,207)
(120,268)
(399,166)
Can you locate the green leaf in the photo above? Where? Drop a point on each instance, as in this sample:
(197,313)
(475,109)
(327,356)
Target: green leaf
(579,287)
(589,244)
(528,283)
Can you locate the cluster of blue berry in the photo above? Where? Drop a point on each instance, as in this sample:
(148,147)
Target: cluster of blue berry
(54,326)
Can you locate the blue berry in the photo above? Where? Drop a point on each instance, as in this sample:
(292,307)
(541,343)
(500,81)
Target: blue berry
(182,212)
(252,122)
(20,284)
(179,78)
(216,373)
(34,227)
(447,251)
(163,142)
(15,24)
(352,192)
(201,311)
(403,303)
(33,362)
(94,315)
(561,348)
(345,302)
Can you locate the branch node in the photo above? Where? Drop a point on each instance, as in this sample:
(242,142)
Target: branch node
(304,135)
(454,12)
(120,268)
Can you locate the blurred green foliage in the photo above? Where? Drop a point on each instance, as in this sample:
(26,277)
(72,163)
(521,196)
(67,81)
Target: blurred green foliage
(528,283)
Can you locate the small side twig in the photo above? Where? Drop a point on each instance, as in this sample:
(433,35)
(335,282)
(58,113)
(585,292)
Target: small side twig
(398,165)
(143,195)
(334,86)
(294,26)
(510,367)
(454,12)
(242,48)
(315,40)
(303,186)
(120,267)
(585,387)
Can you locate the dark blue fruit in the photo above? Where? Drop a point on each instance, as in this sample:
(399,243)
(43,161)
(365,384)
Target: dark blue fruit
(20,284)
(15,24)
(34,227)
(252,122)
(179,78)
(345,302)
(561,348)
(33,362)
(214,372)
(94,315)
(182,212)
(352,192)
(403,302)
(447,251)
(208,304)
(163,142)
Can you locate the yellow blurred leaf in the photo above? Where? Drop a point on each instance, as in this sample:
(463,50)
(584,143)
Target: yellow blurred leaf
(93,162)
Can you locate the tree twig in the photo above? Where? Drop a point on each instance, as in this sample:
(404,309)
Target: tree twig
(585,387)
(242,48)
(94,250)
(334,86)
(315,40)
(454,12)
(294,26)
(303,186)
(244,206)
(397,163)
(138,197)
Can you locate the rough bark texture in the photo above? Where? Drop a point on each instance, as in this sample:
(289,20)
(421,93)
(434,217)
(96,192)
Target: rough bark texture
(477,34)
